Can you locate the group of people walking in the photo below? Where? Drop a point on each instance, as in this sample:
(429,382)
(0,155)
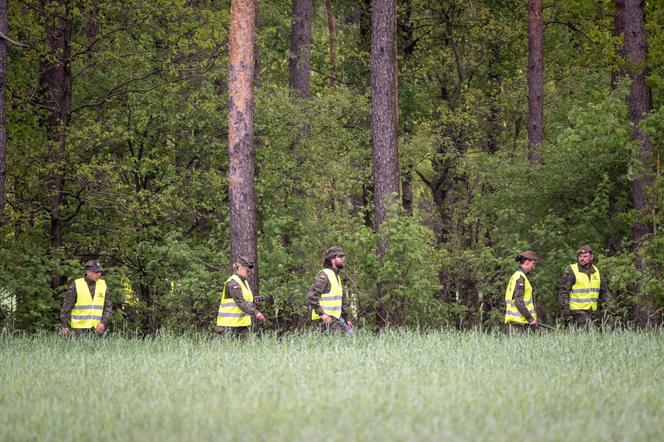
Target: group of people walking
(87,309)
(581,290)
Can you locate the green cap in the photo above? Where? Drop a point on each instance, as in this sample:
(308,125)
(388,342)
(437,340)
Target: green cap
(93,266)
(333,252)
(584,249)
(245,262)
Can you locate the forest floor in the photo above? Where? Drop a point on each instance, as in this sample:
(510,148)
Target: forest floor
(402,386)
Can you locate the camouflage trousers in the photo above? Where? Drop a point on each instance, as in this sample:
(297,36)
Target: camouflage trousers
(334,328)
(233,332)
(583,318)
(515,328)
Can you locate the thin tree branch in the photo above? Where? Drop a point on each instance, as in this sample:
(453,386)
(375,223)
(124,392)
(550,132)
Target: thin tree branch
(14,42)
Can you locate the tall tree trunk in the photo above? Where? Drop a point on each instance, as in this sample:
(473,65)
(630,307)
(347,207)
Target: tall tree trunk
(332,42)
(535,80)
(56,82)
(241,192)
(299,65)
(618,31)
(640,103)
(384,121)
(384,107)
(4,28)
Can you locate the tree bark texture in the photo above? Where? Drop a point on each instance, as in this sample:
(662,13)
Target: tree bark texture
(385,161)
(535,79)
(331,42)
(4,28)
(56,84)
(640,104)
(384,108)
(241,191)
(299,64)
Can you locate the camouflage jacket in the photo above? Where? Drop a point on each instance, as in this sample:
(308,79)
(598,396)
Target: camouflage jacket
(517,297)
(568,280)
(234,290)
(70,301)
(322,285)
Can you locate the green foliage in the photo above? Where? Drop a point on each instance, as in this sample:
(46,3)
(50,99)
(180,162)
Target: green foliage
(145,162)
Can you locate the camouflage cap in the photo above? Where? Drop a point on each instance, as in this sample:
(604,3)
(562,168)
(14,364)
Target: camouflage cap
(333,252)
(529,255)
(245,262)
(584,249)
(93,266)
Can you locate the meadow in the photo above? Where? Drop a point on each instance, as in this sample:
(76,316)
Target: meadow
(399,386)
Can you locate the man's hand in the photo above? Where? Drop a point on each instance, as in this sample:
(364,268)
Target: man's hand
(349,324)
(533,324)
(100,328)
(260,316)
(327,319)
(65,331)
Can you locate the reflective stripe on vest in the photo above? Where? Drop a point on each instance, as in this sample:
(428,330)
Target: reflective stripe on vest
(230,314)
(585,291)
(331,301)
(87,312)
(512,314)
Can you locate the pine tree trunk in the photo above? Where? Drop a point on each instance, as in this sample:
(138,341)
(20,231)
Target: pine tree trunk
(640,104)
(299,65)
(384,124)
(241,192)
(384,107)
(56,83)
(535,79)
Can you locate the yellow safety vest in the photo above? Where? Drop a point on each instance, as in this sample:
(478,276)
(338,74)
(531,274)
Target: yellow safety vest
(87,311)
(512,314)
(330,302)
(230,314)
(585,290)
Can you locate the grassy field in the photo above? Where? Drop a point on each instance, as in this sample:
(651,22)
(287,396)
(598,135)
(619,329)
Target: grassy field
(396,386)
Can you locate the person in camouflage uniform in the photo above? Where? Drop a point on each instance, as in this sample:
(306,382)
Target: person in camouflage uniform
(82,297)
(237,311)
(328,301)
(520,311)
(579,298)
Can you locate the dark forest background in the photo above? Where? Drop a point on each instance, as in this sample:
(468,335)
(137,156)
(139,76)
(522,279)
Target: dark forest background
(518,125)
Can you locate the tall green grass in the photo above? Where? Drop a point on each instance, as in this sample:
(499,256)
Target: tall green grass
(395,386)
